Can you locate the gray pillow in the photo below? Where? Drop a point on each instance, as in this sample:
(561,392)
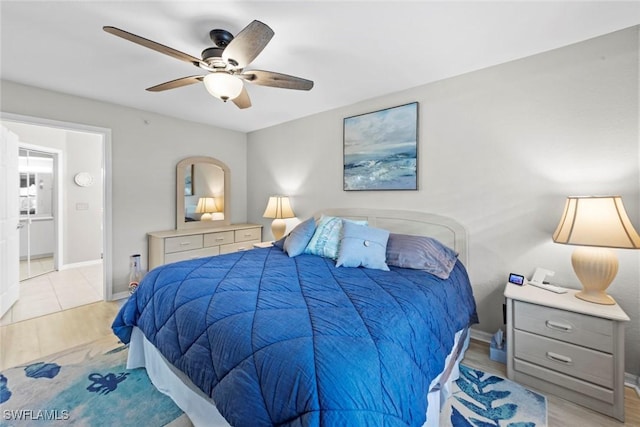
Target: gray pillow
(280,243)
(297,241)
(421,253)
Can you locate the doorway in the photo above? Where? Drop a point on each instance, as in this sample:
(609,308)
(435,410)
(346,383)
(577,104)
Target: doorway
(37,169)
(64,215)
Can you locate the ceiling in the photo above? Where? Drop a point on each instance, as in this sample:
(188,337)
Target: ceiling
(353,51)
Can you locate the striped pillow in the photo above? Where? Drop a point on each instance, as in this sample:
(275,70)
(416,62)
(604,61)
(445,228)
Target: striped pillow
(326,239)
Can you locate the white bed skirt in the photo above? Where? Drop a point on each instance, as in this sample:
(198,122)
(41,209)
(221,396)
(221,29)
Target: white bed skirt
(202,411)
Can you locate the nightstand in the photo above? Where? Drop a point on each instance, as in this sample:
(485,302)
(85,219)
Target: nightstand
(263,245)
(565,346)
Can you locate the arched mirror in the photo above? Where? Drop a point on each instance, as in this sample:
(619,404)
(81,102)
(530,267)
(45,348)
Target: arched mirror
(202,193)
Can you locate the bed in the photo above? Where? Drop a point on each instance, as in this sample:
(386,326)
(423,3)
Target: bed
(262,338)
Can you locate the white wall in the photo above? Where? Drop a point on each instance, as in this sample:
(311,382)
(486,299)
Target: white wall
(499,150)
(145,150)
(83,206)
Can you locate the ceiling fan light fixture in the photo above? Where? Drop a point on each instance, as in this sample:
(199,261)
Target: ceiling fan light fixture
(223,85)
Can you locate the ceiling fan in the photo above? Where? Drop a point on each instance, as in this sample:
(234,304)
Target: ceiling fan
(225,62)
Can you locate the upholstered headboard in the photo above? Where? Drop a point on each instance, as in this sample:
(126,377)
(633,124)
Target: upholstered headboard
(445,229)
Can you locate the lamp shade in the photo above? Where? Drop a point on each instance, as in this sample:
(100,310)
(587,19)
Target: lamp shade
(278,207)
(596,224)
(223,85)
(596,221)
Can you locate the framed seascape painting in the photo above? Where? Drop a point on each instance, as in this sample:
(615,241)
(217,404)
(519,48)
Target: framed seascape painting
(381,150)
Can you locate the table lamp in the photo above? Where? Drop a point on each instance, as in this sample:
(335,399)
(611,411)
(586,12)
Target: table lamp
(278,208)
(206,206)
(596,224)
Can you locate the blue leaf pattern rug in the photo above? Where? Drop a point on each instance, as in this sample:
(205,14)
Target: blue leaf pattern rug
(85,386)
(90,386)
(486,400)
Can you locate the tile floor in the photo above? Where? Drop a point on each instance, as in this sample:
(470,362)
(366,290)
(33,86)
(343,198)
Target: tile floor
(56,291)
(38,266)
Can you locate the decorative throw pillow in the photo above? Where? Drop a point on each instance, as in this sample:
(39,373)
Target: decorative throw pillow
(421,253)
(362,246)
(326,239)
(297,240)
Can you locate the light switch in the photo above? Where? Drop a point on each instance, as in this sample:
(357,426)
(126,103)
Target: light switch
(82,206)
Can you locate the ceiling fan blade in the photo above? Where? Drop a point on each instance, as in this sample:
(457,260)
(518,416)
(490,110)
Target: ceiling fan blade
(242,101)
(152,45)
(247,44)
(184,81)
(270,78)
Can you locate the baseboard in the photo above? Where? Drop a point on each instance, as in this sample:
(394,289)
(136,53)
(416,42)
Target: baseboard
(481,335)
(80,264)
(120,296)
(630,380)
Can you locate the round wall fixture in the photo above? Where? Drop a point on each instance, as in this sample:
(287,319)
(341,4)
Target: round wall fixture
(83,179)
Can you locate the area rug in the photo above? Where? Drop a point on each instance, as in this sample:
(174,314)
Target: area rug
(90,386)
(483,400)
(85,386)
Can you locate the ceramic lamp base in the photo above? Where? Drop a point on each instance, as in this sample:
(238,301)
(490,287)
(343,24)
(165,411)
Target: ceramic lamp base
(278,227)
(596,268)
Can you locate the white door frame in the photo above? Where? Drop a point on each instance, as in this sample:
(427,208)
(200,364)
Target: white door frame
(106,183)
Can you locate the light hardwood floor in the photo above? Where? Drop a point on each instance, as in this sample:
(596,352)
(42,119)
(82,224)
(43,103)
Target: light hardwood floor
(32,339)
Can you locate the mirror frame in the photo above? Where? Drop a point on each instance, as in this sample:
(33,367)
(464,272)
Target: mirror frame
(181,224)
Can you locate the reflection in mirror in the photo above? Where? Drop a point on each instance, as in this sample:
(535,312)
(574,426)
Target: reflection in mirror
(202,193)
(204,189)
(36,183)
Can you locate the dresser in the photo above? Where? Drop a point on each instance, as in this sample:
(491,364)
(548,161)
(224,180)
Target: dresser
(565,346)
(179,245)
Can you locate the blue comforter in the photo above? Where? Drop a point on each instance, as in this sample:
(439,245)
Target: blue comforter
(298,342)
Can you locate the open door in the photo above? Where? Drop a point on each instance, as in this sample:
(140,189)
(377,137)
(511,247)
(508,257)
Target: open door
(9,221)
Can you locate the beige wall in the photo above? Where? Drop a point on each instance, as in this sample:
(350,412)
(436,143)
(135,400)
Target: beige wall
(499,150)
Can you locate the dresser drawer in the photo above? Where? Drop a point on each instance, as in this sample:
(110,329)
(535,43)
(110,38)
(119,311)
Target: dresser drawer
(248,234)
(570,383)
(193,254)
(587,331)
(216,239)
(182,243)
(580,362)
(237,247)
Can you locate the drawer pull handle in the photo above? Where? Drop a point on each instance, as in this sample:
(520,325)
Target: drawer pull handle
(185,243)
(219,239)
(558,326)
(559,358)
(247,234)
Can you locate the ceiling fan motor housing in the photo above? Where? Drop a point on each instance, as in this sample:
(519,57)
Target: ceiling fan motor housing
(220,38)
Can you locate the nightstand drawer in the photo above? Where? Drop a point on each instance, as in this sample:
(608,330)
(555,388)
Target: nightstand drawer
(215,239)
(183,243)
(581,329)
(248,234)
(196,253)
(559,379)
(589,365)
